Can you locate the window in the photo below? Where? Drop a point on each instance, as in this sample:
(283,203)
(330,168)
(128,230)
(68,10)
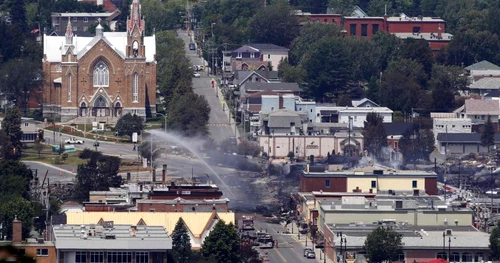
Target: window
(81,257)
(414,184)
(374,184)
(401,257)
(135,88)
(327,183)
(478,257)
(455,257)
(59,67)
(101,75)
(374,29)
(466,257)
(151,210)
(416,29)
(119,257)
(85,29)
(268,56)
(96,257)
(75,28)
(326,20)
(86,19)
(441,255)
(292,123)
(42,252)
(22,251)
(238,55)
(70,78)
(141,257)
(453,126)
(252,55)
(26,124)
(364,30)
(353,29)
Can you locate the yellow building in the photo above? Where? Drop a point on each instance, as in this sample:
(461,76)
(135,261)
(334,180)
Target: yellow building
(199,224)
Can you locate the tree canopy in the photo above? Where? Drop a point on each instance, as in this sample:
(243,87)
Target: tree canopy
(417,144)
(181,243)
(383,244)
(488,134)
(374,134)
(189,115)
(11,129)
(128,124)
(223,243)
(495,242)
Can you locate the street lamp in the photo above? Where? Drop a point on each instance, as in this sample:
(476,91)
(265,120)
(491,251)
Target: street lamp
(165,120)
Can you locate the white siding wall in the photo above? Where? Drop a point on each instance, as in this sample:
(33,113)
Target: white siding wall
(454,125)
(274,58)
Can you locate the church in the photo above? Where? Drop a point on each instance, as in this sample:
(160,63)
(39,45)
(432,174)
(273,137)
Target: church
(102,77)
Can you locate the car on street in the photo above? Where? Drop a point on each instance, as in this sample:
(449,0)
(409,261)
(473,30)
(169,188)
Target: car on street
(192,46)
(320,245)
(306,251)
(311,254)
(72,140)
(196,75)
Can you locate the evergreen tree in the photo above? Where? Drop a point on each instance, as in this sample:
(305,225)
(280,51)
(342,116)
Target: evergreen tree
(488,135)
(223,243)
(383,245)
(128,124)
(374,134)
(11,127)
(181,243)
(495,242)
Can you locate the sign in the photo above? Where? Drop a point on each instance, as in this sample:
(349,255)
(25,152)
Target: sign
(186,192)
(94,125)
(312,146)
(134,137)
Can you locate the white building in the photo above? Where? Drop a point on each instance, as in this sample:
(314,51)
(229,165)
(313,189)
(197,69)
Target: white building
(342,114)
(450,125)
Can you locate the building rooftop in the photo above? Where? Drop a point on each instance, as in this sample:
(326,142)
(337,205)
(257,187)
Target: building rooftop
(493,94)
(397,128)
(110,236)
(463,137)
(106,14)
(427,36)
(369,171)
(283,86)
(417,237)
(404,18)
(324,107)
(486,83)
(482,107)
(483,65)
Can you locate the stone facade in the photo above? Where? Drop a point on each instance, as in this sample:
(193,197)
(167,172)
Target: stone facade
(100,77)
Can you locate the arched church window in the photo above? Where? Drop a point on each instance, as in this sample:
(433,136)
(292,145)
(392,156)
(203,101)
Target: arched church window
(69,87)
(135,48)
(101,75)
(135,88)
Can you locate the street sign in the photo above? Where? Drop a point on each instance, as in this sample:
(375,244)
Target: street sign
(134,137)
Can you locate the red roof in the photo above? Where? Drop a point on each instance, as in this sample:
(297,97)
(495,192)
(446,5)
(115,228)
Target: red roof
(437,260)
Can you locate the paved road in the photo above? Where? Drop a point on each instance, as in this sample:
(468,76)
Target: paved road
(55,174)
(289,248)
(220,128)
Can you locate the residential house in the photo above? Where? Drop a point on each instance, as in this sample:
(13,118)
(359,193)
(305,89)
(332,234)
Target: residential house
(365,102)
(463,143)
(478,112)
(334,114)
(395,131)
(258,57)
(80,22)
(282,122)
(241,77)
(111,242)
(450,125)
(199,224)
(107,5)
(483,86)
(482,69)
(29,129)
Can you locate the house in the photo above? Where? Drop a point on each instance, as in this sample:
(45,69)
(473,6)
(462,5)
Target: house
(199,224)
(110,242)
(334,114)
(395,131)
(241,77)
(478,111)
(258,57)
(368,179)
(482,69)
(365,102)
(29,128)
(80,22)
(281,122)
(463,143)
(485,85)
(450,125)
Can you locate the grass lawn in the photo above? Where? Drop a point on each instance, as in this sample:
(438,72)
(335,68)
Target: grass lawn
(47,156)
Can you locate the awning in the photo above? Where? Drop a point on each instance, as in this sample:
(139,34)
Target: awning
(58,80)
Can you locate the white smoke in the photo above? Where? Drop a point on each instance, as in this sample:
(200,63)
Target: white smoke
(393,159)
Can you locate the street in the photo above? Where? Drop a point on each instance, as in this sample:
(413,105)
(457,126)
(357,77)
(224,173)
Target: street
(219,122)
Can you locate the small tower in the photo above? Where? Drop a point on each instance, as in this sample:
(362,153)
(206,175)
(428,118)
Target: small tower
(69,33)
(99,29)
(135,32)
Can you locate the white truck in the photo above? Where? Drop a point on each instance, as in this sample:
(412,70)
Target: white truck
(73,140)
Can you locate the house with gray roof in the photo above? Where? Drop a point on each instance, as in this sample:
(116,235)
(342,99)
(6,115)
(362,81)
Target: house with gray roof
(111,243)
(483,69)
(258,56)
(479,110)
(463,143)
(282,122)
(485,85)
(282,87)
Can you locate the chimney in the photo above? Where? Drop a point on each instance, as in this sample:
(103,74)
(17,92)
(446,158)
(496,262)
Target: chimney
(371,191)
(440,35)
(129,176)
(164,174)
(17,231)
(154,175)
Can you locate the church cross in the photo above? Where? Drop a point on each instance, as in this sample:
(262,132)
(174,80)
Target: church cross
(99,20)
(118,81)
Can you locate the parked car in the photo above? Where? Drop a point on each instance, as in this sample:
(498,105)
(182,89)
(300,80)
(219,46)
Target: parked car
(192,46)
(307,251)
(311,254)
(320,245)
(72,140)
(196,75)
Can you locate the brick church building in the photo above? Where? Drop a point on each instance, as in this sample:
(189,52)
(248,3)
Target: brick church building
(102,77)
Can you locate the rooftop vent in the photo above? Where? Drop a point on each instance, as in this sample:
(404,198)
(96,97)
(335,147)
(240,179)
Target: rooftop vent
(378,171)
(108,236)
(449,232)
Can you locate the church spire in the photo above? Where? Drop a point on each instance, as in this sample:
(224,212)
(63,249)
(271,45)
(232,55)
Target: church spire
(69,33)
(135,19)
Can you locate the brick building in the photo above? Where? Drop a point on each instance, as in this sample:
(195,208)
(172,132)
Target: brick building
(368,180)
(102,77)
(183,205)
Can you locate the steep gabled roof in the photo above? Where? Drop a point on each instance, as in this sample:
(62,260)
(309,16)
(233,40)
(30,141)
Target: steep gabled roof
(483,65)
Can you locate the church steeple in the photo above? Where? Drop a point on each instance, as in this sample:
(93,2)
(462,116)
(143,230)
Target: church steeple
(69,33)
(135,32)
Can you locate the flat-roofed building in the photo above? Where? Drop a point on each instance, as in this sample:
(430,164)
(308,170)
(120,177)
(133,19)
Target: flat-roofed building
(370,179)
(111,243)
(420,244)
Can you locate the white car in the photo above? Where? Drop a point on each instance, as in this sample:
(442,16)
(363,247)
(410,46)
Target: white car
(72,140)
(196,75)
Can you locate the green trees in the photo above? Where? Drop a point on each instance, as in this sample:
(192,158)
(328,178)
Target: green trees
(223,243)
(383,244)
(98,174)
(495,242)
(445,83)
(181,243)
(417,144)
(189,114)
(374,134)
(488,134)
(128,124)
(11,129)
(274,24)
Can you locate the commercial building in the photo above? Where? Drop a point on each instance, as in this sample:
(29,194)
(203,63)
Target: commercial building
(183,205)
(199,224)
(258,57)
(463,143)
(420,244)
(368,179)
(450,125)
(111,243)
(81,22)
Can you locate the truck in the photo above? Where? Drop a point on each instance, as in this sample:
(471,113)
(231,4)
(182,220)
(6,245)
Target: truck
(247,223)
(265,241)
